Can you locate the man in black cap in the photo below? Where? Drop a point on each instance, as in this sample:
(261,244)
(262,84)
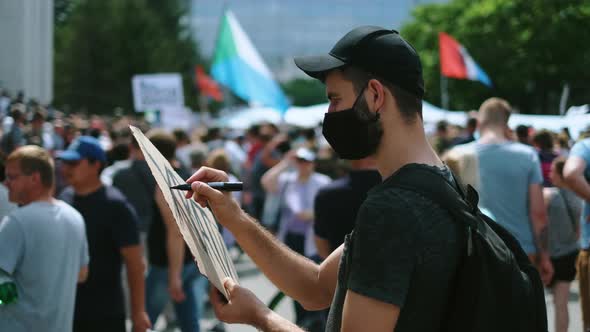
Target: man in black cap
(395,269)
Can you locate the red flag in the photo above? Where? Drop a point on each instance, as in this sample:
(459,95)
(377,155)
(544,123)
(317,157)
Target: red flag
(451,57)
(207,85)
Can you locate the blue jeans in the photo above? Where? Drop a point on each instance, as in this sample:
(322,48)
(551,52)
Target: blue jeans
(188,311)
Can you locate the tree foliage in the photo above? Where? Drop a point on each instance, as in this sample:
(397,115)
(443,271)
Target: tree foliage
(62,10)
(530,49)
(102,44)
(305,92)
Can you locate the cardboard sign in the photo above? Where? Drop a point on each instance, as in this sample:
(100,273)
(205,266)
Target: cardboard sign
(197,224)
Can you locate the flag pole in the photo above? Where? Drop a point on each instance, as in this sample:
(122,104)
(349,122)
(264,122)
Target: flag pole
(444,92)
(565,93)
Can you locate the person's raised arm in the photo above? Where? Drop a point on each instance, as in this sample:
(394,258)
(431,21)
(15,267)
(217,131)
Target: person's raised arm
(298,277)
(270,179)
(266,155)
(573,174)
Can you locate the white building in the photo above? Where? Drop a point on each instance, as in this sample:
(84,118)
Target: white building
(26,48)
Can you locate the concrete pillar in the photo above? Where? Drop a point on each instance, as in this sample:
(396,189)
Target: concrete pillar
(26,48)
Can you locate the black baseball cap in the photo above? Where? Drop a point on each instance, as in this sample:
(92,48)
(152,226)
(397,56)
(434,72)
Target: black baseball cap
(376,50)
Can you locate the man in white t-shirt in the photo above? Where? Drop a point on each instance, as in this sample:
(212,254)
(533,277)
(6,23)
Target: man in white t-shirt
(43,245)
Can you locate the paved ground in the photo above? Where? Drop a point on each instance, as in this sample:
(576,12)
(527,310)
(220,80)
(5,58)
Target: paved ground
(251,278)
(254,280)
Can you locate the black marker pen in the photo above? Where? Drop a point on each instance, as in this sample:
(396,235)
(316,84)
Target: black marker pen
(223,186)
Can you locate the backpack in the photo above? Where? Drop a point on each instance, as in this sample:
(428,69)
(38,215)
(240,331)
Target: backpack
(496,288)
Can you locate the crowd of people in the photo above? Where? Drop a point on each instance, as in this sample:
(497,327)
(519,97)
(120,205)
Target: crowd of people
(94,165)
(79,206)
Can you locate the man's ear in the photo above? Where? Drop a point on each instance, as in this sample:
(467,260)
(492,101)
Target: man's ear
(36,178)
(98,165)
(509,134)
(376,101)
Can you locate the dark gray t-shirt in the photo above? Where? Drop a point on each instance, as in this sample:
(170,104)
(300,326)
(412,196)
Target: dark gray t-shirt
(137,184)
(563,212)
(404,250)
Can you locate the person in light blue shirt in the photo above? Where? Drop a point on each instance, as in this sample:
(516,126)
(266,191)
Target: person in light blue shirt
(43,247)
(507,170)
(576,173)
(511,184)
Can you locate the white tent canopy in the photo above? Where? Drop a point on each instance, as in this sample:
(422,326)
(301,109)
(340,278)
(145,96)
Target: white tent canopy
(578,110)
(307,117)
(312,116)
(246,117)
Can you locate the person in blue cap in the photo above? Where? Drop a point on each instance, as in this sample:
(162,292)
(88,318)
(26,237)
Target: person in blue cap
(113,239)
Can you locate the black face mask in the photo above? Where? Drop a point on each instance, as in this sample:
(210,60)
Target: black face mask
(353,133)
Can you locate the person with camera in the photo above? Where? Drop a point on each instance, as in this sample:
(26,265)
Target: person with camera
(296,190)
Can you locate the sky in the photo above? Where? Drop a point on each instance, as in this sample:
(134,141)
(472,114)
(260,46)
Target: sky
(281,29)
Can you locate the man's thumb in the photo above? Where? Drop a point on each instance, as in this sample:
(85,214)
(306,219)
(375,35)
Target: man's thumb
(229,284)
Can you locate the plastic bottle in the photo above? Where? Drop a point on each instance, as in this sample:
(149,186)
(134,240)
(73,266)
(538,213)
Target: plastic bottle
(8,293)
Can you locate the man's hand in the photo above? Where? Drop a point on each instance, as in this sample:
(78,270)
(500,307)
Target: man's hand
(175,289)
(276,141)
(243,306)
(226,209)
(141,322)
(545,269)
(290,156)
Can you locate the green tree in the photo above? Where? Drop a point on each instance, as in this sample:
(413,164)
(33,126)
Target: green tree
(530,49)
(102,44)
(305,92)
(61,10)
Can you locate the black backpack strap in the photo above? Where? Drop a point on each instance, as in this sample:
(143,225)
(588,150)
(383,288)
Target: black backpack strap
(462,205)
(433,185)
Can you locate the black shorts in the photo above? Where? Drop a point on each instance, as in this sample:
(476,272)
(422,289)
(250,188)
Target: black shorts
(110,324)
(564,267)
